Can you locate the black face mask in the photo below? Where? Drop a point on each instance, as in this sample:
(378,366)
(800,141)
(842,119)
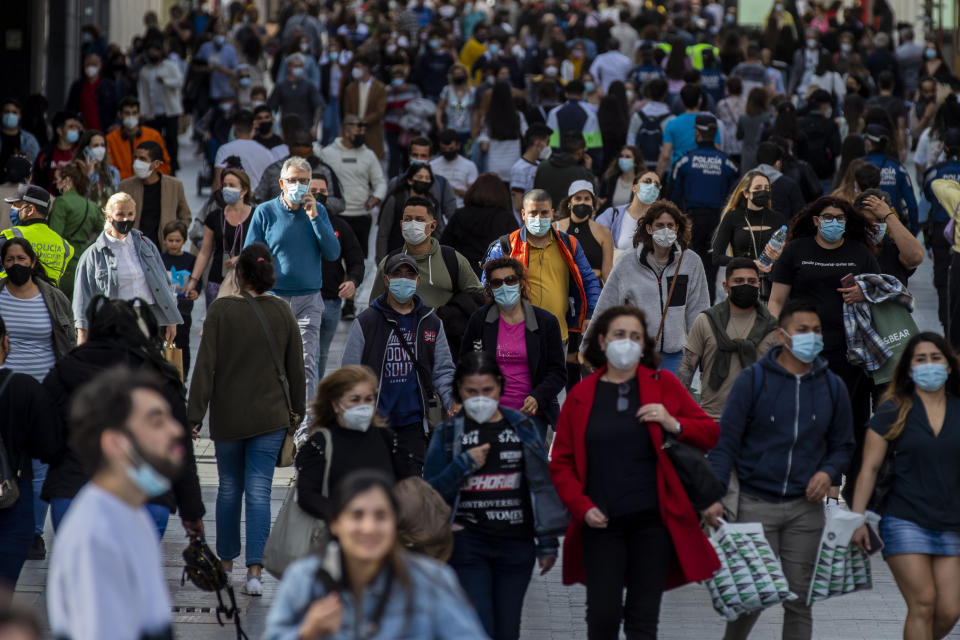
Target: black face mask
(123,227)
(321,198)
(264,128)
(744,296)
(19,274)
(459,80)
(421,186)
(450,156)
(581,211)
(359,140)
(761,198)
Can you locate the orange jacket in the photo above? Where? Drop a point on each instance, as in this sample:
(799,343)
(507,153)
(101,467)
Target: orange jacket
(120,148)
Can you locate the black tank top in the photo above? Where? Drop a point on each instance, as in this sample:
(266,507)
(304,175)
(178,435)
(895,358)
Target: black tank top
(591,248)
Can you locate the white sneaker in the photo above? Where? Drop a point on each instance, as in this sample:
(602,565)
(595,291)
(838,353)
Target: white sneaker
(253,586)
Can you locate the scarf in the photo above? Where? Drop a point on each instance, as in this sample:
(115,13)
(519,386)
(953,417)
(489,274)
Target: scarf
(746,349)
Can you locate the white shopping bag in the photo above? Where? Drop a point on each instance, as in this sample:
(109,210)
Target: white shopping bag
(841,567)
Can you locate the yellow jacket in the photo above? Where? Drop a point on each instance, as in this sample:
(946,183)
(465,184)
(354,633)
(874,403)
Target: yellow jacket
(52,250)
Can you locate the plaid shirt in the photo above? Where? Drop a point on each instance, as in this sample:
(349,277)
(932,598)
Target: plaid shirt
(864,346)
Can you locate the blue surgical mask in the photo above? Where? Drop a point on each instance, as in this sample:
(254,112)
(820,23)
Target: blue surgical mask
(648,192)
(10,120)
(245,81)
(397,82)
(507,295)
(832,230)
(930,54)
(589,86)
(71,136)
(879,230)
(219,40)
(297,72)
(402,289)
(295,192)
(14,216)
(149,480)
(231,195)
(538,226)
(625,164)
(929,376)
(806,346)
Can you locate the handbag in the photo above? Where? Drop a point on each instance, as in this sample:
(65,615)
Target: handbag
(896,326)
(174,356)
(296,533)
(205,571)
(288,449)
(695,473)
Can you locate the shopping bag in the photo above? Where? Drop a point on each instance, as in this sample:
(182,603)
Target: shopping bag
(750,577)
(174,356)
(895,325)
(294,535)
(841,567)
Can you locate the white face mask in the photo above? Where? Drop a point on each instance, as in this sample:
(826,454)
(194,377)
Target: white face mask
(131,122)
(664,237)
(550,71)
(546,152)
(480,408)
(142,169)
(357,73)
(623,353)
(414,232)
(98,153)
(358,418)
(92,71)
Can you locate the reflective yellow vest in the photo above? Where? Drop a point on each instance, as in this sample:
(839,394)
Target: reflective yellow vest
(52,250)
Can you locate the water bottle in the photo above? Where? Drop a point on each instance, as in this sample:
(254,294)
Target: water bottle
(775,244)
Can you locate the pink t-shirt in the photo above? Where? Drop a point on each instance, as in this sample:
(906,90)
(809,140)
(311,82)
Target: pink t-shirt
(512,358)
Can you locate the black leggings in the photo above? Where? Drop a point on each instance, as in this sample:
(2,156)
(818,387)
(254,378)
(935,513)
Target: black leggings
(361,228)
(705,222)
(633,551)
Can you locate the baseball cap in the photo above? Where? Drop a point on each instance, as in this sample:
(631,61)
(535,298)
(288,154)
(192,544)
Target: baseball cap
(397,260)
(705,122)
(877,132)
(31,194)
(580,185)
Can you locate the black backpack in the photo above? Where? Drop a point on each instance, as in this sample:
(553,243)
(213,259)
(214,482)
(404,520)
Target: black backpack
(650,136)
(9,483)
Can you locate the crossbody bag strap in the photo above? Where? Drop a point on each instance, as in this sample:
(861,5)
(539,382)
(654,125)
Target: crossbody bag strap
(328,457)
(666,306)
(274,351)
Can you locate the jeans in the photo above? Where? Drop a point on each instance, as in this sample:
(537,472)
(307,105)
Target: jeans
(495,573)
(16,536)
(411,450)
(39,506)
(245,468)
(671,361)
(328,328)
(159,513)
(308,309)
(793,530)
(633,551)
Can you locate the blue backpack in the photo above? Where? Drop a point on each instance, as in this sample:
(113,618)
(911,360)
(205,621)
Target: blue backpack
(758,375)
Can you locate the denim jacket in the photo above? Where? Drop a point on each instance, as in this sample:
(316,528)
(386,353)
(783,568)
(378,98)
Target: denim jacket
(97,273)
(439,610)
(447,467)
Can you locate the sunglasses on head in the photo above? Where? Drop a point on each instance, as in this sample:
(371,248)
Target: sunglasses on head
(496,283)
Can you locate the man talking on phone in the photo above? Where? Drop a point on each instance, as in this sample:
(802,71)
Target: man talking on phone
(298,232)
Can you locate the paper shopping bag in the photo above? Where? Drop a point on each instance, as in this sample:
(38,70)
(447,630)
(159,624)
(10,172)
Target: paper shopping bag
(174,356)
(841,567)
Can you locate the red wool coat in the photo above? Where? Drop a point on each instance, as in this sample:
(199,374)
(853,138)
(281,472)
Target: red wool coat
(695,558)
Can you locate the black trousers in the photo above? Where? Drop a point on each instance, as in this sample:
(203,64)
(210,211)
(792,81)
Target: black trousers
(859,388)
(411,450)
(705,223)
(632,552)
(361,228)
(182,340)
(941,269)
(169,128)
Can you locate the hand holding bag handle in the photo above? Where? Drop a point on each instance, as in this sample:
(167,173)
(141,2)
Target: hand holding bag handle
(666,307)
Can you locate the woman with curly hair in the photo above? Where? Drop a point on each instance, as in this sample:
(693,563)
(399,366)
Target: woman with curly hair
(662,264)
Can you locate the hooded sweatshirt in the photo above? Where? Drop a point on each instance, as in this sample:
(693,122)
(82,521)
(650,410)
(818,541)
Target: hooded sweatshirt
(785,195)
(556,173)
(436,285)
(360,174)
(633,281)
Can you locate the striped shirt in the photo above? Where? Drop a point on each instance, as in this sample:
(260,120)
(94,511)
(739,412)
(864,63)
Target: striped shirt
(31,334)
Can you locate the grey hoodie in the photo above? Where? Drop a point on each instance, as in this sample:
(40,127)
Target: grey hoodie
(769,171)
(634,282)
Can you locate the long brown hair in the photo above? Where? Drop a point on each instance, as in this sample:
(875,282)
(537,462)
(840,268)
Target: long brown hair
(901,388)
(657,209)
(333,387)
(593,352)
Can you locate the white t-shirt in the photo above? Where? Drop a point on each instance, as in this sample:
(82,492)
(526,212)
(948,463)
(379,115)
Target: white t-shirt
(106,575)
(460,173)
(254,157)
(628,228)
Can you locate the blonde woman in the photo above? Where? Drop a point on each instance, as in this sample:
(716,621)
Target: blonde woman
(457,102)
(747,222)
(124,265)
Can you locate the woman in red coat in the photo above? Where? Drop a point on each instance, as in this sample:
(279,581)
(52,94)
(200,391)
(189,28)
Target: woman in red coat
(609,469)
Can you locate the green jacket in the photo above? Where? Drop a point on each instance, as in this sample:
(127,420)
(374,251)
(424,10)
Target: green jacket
(79,221)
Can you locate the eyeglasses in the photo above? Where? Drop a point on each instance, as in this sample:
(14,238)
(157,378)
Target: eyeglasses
(496,283)
(305,181)
(623,397)
(829,218)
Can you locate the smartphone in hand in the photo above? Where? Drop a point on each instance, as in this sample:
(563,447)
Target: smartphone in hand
(847,281)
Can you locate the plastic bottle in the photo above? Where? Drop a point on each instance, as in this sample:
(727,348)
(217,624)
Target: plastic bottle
(775,244)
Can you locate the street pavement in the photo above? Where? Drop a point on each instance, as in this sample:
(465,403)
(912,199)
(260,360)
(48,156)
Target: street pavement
(551,611)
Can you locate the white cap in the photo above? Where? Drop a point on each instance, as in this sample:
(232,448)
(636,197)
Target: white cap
(580,185)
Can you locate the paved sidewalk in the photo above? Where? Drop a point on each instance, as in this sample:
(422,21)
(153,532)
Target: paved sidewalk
(551,611)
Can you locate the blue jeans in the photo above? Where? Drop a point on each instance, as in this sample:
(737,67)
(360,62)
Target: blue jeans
(159,513)
(495,573)
(16,536)
(328,329)
(39,506)
(671,361)
(246,471)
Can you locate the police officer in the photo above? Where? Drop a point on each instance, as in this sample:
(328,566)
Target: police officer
(949,169)
(29,209)
(894,179)
(702,179)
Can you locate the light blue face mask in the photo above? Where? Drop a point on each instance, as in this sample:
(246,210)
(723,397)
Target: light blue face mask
(832,230)
(589,86)
(295,192)
(402,289)
(231,195)
(507,296)
(10,120)
(929,376)
(625,164)
(147,479)
(71,136)
(879,230)
(538,226)
(14,216)
(297,72)
(648,192)
(806,346)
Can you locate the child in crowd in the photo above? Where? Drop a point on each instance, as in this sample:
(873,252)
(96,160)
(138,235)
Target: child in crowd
(179,266)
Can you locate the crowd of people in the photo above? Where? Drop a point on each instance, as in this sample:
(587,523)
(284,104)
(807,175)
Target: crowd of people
(583,231)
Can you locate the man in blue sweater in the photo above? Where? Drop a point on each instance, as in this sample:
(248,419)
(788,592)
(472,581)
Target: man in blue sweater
(298,233)
(786,430)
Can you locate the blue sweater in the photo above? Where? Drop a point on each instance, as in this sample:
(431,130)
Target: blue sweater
(299,245)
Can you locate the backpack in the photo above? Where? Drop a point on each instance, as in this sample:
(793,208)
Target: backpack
(650,136)
(9,487)
(450,261)
(758,385)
